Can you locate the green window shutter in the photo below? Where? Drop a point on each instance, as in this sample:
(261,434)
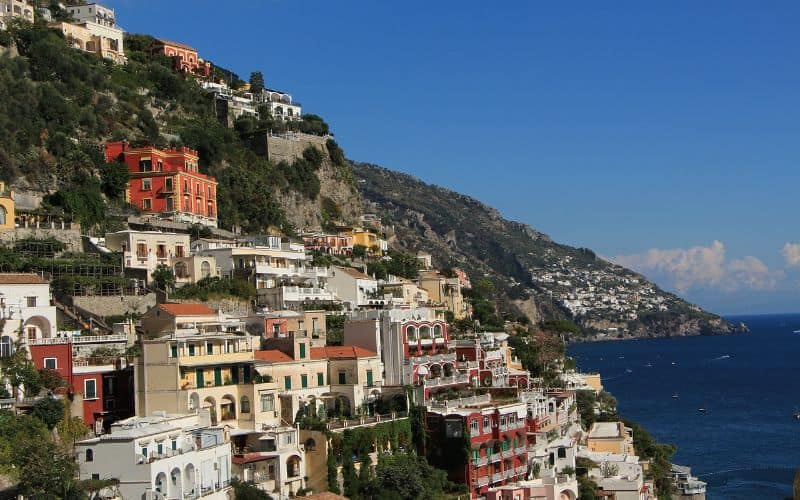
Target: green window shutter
(235,374)
(217,376)
(200,378)
(246,374)
(505,445)
(160,449)
(320,378)
(174,445)
(369,378)
(144,452)
(173,349)
(304,380)
(191,349)
(287,382)
(302,351)
(209,348)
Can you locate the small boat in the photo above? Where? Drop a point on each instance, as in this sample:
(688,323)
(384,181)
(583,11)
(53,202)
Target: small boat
(796,331)
(649,365)
(796,414)
(673,363)
(628,370)
(701,410)
(675,395)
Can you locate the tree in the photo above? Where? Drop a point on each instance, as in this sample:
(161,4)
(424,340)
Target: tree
(114,179)
(164,277)
(45,472)
(256,82)
(51,380)
(246,491)
(359,251)
(406,476)
(49,410)
(21,372)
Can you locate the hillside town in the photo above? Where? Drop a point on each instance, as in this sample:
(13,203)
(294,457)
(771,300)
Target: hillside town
(199,359)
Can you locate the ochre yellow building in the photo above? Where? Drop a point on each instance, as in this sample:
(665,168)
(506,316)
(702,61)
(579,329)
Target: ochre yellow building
(6,207)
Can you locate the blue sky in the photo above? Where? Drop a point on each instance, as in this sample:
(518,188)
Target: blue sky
(662,135)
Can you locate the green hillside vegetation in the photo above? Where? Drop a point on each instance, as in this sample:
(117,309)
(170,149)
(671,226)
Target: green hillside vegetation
(58,106)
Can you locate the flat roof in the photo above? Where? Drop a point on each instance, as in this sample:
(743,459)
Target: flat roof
(605,430)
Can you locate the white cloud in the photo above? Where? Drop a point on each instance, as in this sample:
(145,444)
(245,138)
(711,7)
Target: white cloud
(704,267)
(791,254)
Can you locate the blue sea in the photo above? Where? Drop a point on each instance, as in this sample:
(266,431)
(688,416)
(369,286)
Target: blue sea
(746,445)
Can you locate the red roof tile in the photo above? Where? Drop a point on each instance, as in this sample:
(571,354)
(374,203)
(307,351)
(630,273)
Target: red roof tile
(20,279)
(341,352)
(187,309)
(273,356)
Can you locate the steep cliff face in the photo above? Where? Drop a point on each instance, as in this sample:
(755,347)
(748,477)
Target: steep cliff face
(536,276)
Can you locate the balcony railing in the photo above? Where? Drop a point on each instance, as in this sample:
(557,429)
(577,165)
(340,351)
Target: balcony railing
(84,339)
(521,470)
(520,450)
(434,358)
(496,478)
(481,481)
(480,461)
(436,382)
(495,457)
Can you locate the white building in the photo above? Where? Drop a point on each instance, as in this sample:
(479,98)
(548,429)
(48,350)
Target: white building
(280,271)
(146,250)
(101,24)
(353,287)
(10,9)
(280,104)
(24,307)
(161,456)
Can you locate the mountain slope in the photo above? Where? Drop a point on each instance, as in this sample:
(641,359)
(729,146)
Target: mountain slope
(531,273)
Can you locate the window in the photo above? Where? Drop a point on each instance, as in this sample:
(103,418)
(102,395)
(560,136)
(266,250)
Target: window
(191,349)
(145,165)
(289,438)
(287,382)
(209,348)
(168,184)
(304,381)
(179,251)
(160,449)
(6,346)
(244,405)
(95,477)
(31,332)
(3,214)
(369,378)
(89,455)
(267,402)
(342,378)
(147,184)
(161,251)
(147,204)
(160,166)
(562,453)
(486,424)
(474,425)
(144,451)
(302,351)
(174,445)
(50,363)
(31,301)
(320,378)
(502,420)
(90,389)
(173,351)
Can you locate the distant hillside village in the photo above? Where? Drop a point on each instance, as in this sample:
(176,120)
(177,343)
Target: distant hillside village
(201,362)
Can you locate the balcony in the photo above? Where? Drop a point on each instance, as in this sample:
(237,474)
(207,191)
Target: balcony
(508,453)
(497,478)
(216,359)
(442,381)
(434,358)
(481,481)
(495,457)
(480,461)
(85,339)
(520,450)
(522,469)
(300,294)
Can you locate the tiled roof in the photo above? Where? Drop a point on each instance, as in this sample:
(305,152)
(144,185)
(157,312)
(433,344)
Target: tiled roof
(187,309)
(21,279)
(341,352)
(355,273)
(273,356)
(176,44)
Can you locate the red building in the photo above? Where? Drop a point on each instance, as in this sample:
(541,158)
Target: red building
(101,388)
(184,57)
(167,182)
(495,430)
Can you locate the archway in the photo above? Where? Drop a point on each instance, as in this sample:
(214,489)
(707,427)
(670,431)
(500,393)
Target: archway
(449,371)
(161,483)
(437,331)
(567,495)
(194,401)
(411,333)
(37,327)
(176,483)
(3,215)
(436,371)
(188,479)
(293,466)
(424,332)
(228,408)
(205,269)
(210,404)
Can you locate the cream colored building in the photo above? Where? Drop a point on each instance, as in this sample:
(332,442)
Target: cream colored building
(144,251)
(443,292)
(611,437)
(354,373)
(95,30)
(407,292)
(15,9)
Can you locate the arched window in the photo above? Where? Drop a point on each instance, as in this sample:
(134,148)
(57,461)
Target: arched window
(3,215)
(411,333)
(244,405)
(90,455)
(181,271)
(310,444)
(205,269)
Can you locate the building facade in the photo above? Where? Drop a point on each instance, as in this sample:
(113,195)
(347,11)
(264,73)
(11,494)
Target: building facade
(185,58)
(167,183)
